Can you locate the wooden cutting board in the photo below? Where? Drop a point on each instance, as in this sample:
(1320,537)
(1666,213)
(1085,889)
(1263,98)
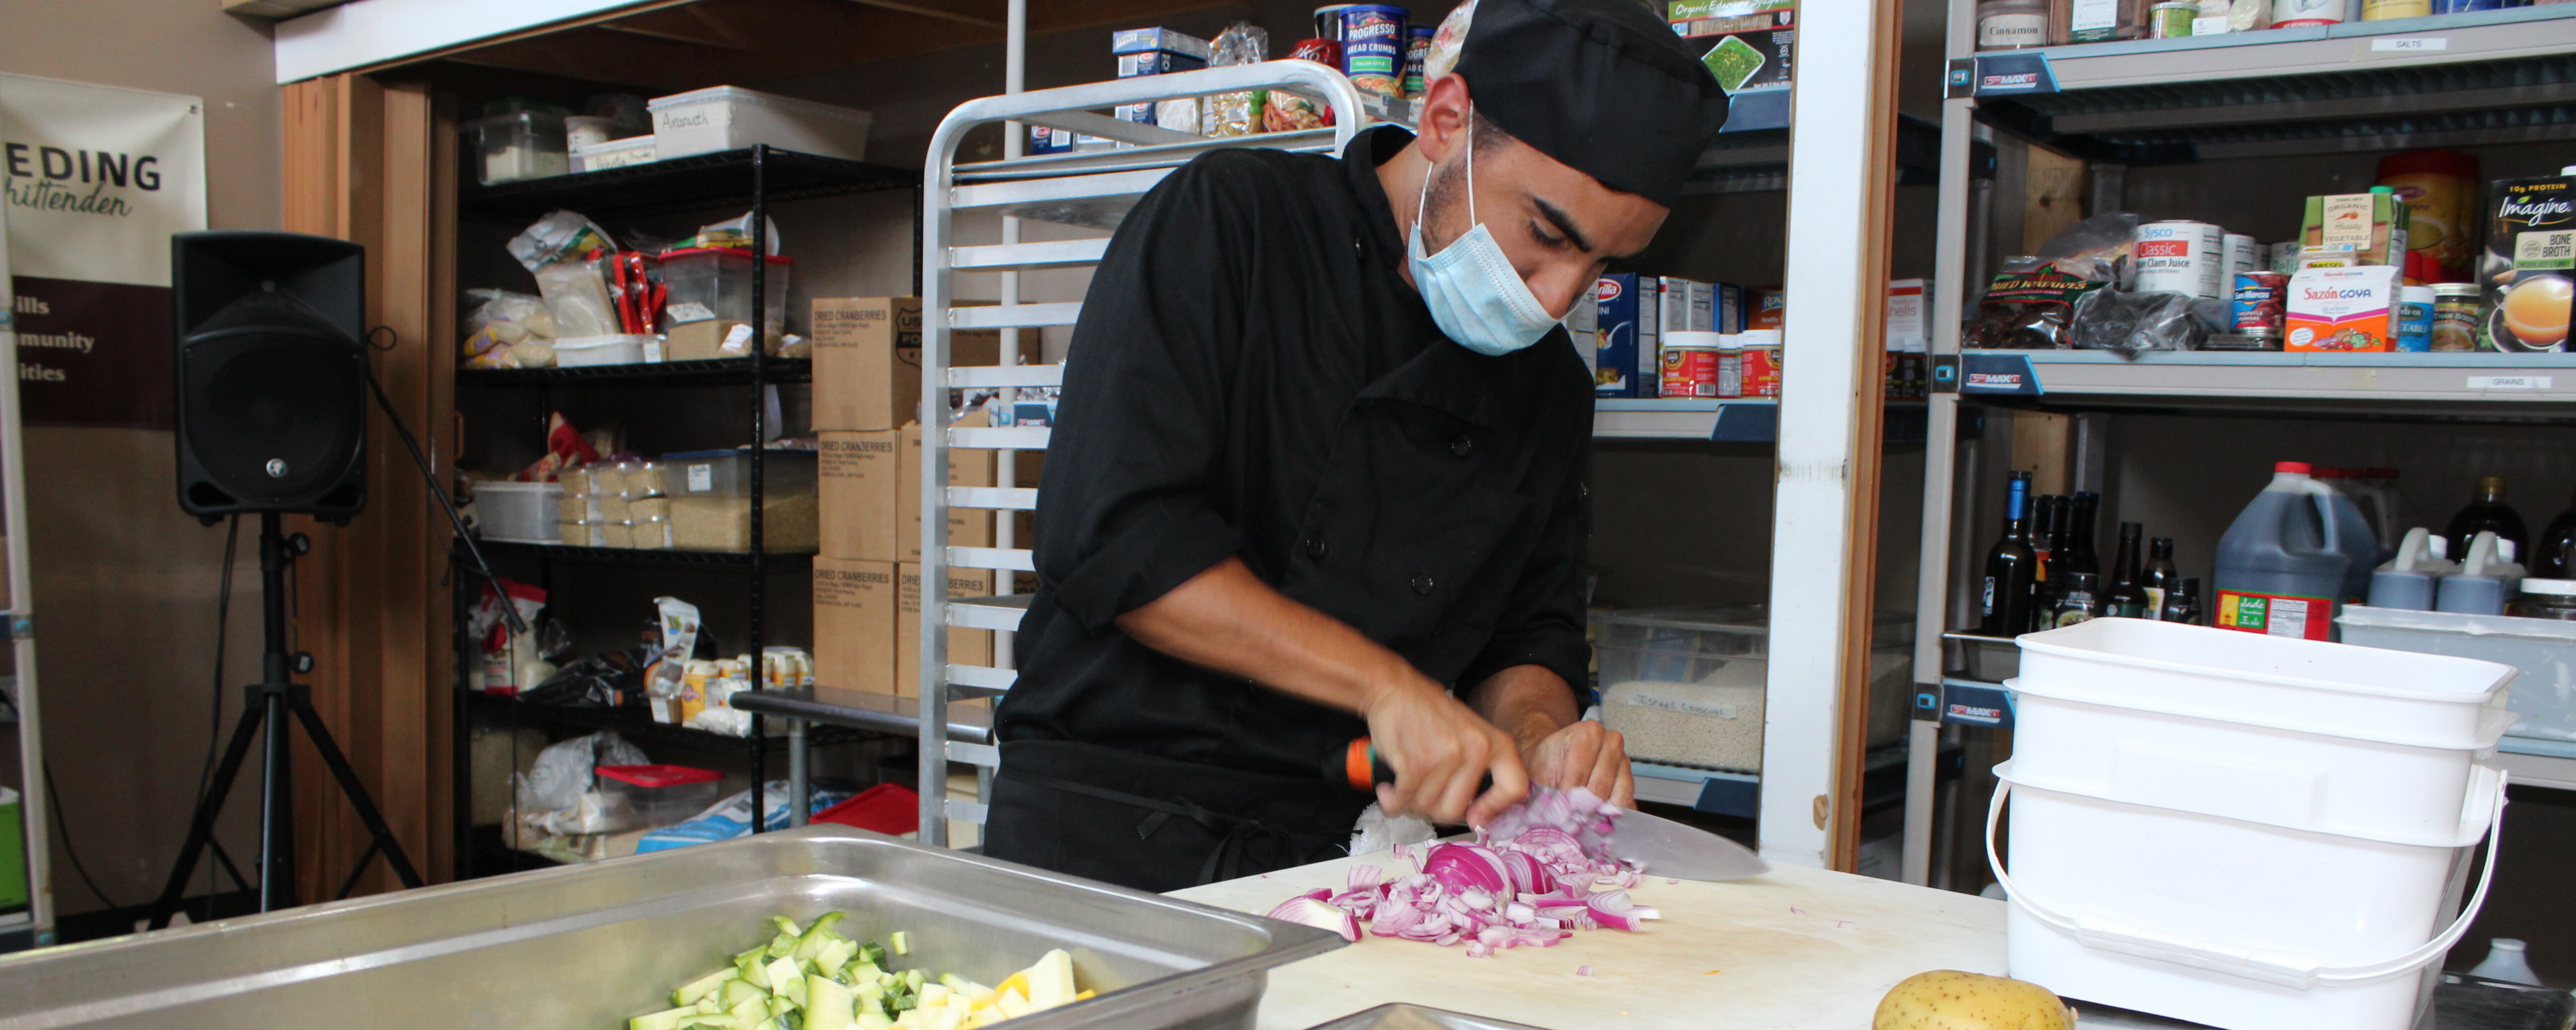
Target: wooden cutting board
(1797,948)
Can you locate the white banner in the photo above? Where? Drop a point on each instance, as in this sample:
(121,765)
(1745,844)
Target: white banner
(96,180)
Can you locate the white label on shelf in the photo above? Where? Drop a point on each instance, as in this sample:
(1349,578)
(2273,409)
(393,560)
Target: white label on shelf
(1685,707)
(2409,44)
(2509,382)
(702,478)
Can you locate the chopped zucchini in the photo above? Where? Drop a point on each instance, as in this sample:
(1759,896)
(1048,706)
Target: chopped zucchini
(753,972)
(785,978)
(689,993)
(874,1021)
(667,1019)
(718,1021)
(828,1006)
(902,942)
(811,942)
(750,1013)
(915,978)
(780,1006)
(737,992)
(874,953)
(834,956)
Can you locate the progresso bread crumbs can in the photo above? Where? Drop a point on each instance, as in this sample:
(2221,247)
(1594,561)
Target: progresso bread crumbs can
(1373,43)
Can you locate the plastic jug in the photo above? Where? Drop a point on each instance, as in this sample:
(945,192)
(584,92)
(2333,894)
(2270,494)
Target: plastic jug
(2485,580)
(2355,538)
(2279,569)
(2406,581)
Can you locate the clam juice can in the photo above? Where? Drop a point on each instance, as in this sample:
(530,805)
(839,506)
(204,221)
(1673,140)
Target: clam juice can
(2179,257)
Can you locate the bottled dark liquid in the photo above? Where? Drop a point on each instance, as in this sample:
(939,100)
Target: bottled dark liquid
(2080,601)
(2487,511)
(2048,533)
(2011,568)
(2183,605)
(2082,512)
(2159,579)
(2127,598)
(2557,548)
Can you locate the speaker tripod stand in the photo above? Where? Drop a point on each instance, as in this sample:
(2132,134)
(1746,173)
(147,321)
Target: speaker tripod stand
(268,706)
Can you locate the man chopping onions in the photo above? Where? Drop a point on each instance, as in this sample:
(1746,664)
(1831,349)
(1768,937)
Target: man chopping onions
(1317,471)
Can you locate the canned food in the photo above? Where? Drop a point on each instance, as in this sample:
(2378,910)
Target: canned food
(1328,21)
(2414,318)
(2288,14)
(2241,251)
(1690,364)
(2179,257)
(1417,48)
(2261,303)
(2171,20)
(1373,43)
(1761,363)
(1730,365)
(2456,313)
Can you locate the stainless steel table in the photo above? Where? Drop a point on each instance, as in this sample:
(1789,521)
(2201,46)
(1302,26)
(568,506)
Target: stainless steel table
(883,713)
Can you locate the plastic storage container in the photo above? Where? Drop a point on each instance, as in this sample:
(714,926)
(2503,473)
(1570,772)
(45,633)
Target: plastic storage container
(616,153)
(621,349)
(521,512)
(730,118)
(1684,686)
(727,473)
(2245,831)
(520,140)
(2544,649)
(641,797)
(711,294)
(2280,570)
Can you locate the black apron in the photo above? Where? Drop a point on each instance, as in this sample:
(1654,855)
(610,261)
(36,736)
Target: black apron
(1158,824)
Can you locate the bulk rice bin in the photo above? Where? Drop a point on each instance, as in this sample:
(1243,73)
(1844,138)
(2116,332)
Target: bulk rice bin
(2246,831)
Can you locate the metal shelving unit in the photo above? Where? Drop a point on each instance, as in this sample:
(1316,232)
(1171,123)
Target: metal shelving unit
(2449,80)
(1091,190)
(757,176)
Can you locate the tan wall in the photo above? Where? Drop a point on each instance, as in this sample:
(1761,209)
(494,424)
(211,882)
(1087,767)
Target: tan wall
(126,584)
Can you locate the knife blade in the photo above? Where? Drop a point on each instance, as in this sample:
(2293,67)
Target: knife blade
(1681,851)
(1660,846)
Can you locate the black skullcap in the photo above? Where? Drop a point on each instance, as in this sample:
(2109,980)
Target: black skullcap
(1601,86)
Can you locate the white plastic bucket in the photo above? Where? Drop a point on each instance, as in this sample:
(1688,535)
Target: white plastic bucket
(2245,831)
(517,512)
(616,349)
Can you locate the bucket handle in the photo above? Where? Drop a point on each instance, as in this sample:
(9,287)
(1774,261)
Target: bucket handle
(2269,967)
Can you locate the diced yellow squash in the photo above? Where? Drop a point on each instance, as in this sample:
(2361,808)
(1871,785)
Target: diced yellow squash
(984,1018)
(1012,1004)
(934,996)
(1019,980)
(1085,995)
(1051,980)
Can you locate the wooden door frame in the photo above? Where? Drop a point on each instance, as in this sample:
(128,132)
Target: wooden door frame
(375,162)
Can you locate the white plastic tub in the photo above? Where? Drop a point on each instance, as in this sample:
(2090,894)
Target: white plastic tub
(730,117)
(2240,830)
(620,349)
(2544,649)
(616,153)
(519,512)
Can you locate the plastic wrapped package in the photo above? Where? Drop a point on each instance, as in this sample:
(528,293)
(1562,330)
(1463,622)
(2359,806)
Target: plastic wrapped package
(2027,307)
(576,293)
(2096,249)
(499,324)
(2127,323)
(1237,114)
(551,793)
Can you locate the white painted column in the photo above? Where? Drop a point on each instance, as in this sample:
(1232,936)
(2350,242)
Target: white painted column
(1837,284)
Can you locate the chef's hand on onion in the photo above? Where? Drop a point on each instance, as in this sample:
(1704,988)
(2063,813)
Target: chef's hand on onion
(1583,754)
(1441,751)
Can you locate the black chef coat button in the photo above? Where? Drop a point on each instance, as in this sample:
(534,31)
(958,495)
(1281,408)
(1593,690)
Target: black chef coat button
(1422,583)
(1461,445)
(1315,547)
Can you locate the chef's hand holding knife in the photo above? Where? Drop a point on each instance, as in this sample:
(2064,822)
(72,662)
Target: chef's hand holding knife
(1443,750)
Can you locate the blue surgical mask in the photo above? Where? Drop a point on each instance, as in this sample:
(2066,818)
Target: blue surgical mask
(1470,286)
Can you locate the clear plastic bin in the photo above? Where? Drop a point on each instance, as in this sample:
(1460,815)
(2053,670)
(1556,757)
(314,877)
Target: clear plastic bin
(641,797)
(1686,686)
(517,511)
(521,140)
(718,281)
(727,473)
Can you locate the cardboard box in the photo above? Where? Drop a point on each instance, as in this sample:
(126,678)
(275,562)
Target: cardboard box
(2343,310)
(1625,315)
(2527,274)
(2374,224)
(965,646)
(867,360)
(967,466)
(858,480)
(1751,43)
(854,625)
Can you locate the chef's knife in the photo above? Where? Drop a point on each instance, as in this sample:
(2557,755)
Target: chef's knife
(1658,845)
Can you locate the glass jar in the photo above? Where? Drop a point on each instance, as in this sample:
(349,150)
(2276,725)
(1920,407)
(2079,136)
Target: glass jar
(2101,21)
(2548,599)
(2456,314)
(2012,24)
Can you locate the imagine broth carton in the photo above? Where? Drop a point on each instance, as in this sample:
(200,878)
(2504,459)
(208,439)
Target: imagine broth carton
(2343,310)
(2527,275)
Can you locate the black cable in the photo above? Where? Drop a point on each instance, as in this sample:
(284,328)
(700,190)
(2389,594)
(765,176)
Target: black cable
(62,829)
(215,703)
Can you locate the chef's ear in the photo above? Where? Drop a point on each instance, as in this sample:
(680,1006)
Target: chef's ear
(1445,120)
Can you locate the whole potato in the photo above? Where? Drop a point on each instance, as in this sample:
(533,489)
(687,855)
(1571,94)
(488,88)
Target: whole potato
(1947,999)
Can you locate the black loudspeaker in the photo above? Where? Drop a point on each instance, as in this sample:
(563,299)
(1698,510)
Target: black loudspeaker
(272,373)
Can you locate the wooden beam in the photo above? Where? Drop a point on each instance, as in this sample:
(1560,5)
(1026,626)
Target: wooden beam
(278,8)
(931,12)
(2055,199)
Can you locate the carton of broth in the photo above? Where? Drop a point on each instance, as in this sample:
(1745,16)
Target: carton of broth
(2527,274)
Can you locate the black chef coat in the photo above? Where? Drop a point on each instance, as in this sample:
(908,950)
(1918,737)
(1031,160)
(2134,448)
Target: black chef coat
(1252,377)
